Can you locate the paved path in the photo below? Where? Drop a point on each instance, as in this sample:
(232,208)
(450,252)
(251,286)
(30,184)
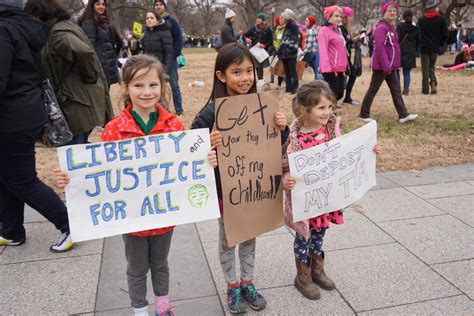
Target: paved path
(407,248)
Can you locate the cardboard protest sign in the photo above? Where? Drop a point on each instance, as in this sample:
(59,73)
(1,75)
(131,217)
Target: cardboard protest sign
(333,175)
(139,183)
(250,165)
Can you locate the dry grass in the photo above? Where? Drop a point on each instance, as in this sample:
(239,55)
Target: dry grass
(442,135)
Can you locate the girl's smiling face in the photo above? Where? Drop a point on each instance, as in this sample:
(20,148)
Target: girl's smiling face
(144,91)
(319,114)
(99,7)
(336,17)
(238,78)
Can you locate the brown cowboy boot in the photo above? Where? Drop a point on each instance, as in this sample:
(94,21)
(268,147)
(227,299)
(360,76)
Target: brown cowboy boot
(303,281)
(317,273)
(434,90)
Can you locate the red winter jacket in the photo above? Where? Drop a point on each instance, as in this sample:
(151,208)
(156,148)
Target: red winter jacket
(124,126)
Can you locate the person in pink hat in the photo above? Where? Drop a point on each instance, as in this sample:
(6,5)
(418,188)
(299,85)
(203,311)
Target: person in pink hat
(332,51)
(311,44)
(385,64)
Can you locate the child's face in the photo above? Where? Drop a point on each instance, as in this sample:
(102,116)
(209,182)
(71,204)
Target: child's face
(144,90)
(320,113)
(238,78)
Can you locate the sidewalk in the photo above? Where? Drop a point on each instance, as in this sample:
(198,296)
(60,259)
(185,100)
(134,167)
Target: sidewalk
(406,248)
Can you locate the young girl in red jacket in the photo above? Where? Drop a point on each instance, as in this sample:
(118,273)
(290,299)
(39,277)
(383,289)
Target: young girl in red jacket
(144,88)
(315,124)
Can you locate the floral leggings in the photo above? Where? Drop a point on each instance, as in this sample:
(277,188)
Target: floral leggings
(304,249)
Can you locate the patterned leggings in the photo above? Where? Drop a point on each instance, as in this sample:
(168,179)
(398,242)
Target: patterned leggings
(227,257)
(304,249)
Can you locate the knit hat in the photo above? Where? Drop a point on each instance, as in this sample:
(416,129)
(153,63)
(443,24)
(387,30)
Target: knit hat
(431,4)
(329,11)
(11,5)
(261,16)
(288,15)
(346,11)
(465,48)
(407,13)
(229,13)
(277,20)
(162,1)
(472,47)
(311,20)
(386,5)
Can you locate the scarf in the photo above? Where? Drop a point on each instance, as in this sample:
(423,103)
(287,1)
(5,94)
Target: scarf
(431,13)
(102,20)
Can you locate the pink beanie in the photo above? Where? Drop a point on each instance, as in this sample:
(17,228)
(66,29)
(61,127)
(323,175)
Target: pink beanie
(328,11)
(465,48)
(346,11)
(385,6)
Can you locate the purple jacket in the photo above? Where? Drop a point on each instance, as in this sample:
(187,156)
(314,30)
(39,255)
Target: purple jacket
(386,56)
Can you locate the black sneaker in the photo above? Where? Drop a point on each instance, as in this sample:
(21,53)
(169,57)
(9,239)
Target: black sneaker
(11,242)
(63,244)
(235,301)
(254,299)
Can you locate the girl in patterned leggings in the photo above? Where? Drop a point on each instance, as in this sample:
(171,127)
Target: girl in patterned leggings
(315,124)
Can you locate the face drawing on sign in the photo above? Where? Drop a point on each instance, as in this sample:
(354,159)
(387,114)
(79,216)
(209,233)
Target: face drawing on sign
(198,196)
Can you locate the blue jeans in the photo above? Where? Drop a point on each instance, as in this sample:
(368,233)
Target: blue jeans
(81,138)
(174,82)
(406,78)
(310,58)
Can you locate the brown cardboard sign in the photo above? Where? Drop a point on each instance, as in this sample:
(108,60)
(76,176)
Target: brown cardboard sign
(250,165)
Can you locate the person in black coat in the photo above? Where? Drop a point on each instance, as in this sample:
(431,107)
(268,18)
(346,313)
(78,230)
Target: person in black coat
(103,37)
(409,37)
(22,118)
(158,40)
(434,33)
(227,30)
(260,33)
(288,50)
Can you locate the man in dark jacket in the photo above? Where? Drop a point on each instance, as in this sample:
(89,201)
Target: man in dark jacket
(22,118)
(160,8)
(227,30)
(434,33)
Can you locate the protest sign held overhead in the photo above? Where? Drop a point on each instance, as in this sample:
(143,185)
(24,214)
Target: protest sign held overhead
(333,175)
(250,165)
(139,183)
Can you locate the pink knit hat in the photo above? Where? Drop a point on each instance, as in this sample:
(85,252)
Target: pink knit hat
(385,6)
(346,11)
(465,48)
(328,11)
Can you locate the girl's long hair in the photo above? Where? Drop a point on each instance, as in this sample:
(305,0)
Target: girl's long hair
(47,9)
(139,62)
(90,14)
(229,54)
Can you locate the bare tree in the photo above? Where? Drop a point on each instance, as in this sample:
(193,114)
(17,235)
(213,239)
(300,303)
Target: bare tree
(207,11)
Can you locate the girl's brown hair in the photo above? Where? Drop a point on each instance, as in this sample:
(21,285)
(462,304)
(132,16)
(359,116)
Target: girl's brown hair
(139,62)
(309,95)
(47,9)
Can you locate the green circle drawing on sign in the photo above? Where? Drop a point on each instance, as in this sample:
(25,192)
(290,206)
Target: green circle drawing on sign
(198,195)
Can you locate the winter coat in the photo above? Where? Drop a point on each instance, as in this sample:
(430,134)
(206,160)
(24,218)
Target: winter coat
(206,119)
(159,43)
(176,34)
(70,62)
(262,36)
(332,50)
(386,55)
(434,33)
(227,33)
(107,44)
(292,145)
(124,127)
(409,37)
(289,43)
(21,98)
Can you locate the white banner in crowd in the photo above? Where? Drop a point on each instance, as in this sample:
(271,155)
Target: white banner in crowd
(333,175)
(139,183)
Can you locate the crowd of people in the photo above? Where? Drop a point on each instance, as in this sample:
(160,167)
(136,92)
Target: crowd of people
(81,60)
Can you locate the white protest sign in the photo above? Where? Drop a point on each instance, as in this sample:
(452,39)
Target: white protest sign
(333,175)
(260,54)
(139,183)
